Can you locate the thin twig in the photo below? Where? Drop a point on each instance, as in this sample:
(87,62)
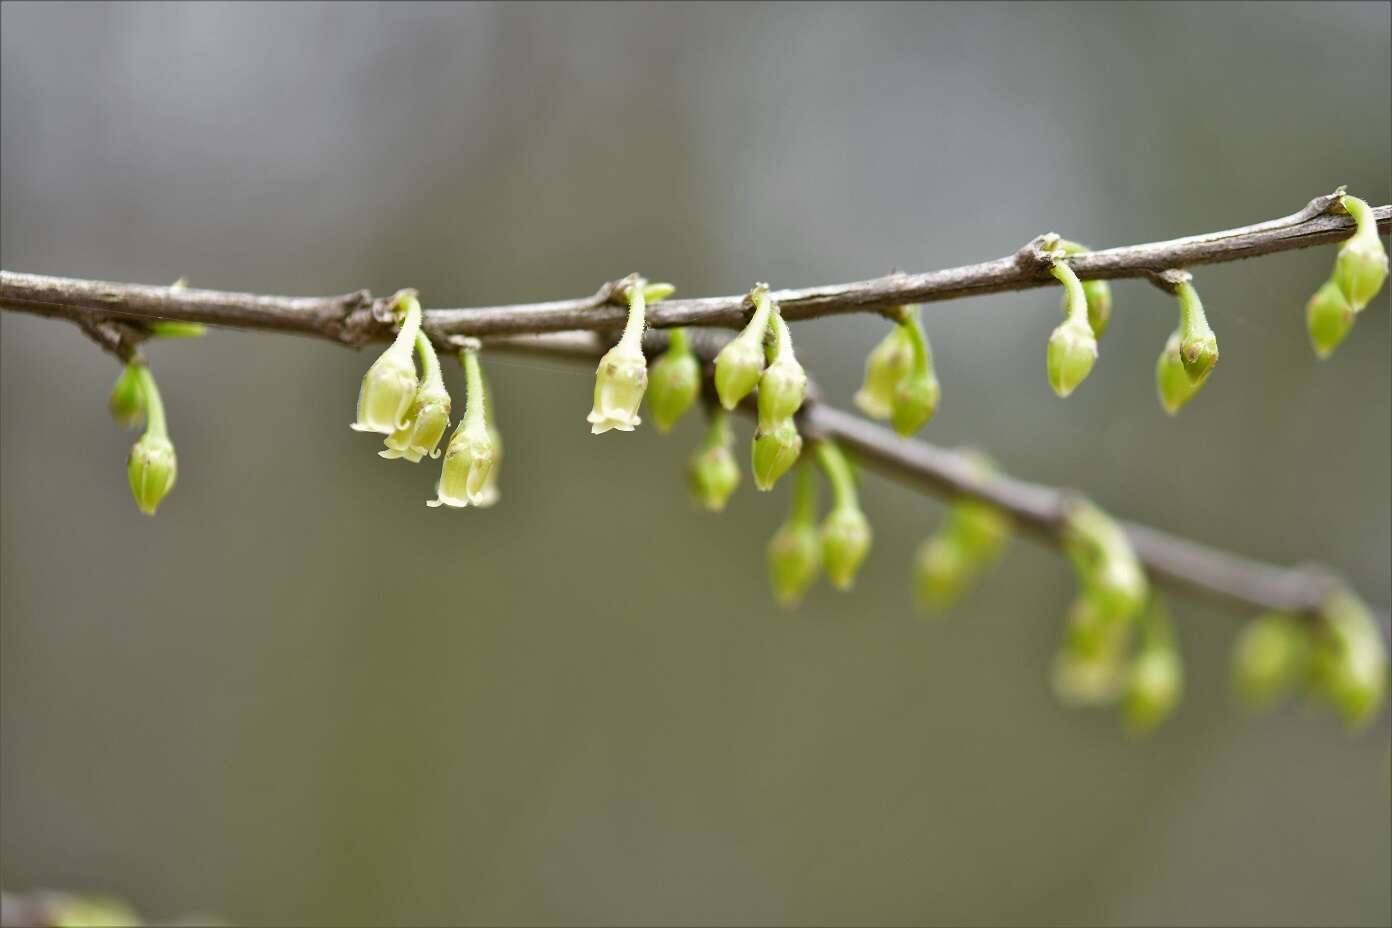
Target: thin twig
(350,319)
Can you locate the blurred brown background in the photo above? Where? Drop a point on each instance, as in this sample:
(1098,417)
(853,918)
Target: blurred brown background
(298,696)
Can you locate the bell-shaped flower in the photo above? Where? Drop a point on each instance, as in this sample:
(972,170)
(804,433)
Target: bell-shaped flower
(1172,383)
(428,416)
(740,364)
(490,494)
(127,402)
(467,477)
(1361,266)
(674,382)
(389,386)
(1329,317)
(622,376)
(713,473)
(888,363)
(774,453)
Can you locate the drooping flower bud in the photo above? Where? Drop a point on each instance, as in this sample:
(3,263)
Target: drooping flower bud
(774,453)
(1329,318)
(795,551)
(389,386)
(942,571)
(1198,346)
(1155,680)
(712,473)
(467,475)
(784,382)
(1090,669)
(1106,564)
(152,466)
(429,414)
(915,396)
(1098,293)
(127,402)
(1172,383)
(1349,664)
(622,376)
(845,531)
(1072,347)
(1361,266)
(674,382)
(1271,655)
(888,363)
(740,363)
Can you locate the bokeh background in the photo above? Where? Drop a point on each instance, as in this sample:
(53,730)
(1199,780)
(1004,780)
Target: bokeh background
(299,696)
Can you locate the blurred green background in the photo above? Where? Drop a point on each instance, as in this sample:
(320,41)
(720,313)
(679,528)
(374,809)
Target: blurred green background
(299,696)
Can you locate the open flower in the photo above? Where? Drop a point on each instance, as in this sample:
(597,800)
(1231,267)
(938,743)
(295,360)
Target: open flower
(389,386)
(467,477)
(622,376)
(428,416)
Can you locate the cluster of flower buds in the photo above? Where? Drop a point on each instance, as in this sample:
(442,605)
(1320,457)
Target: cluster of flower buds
(971,539)
(782,388)
(1341,657)
(411,408)
(1359,272)
(845,531)
(713,473)
(900,383)
(1091,669)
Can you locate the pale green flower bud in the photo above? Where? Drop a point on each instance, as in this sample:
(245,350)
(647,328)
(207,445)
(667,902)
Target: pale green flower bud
(1154,686)
(846,541)
(942,571)
(1090,669)
(1271,655)
(1361,266)
(784,383)
(389,386)
(429,414)
(915,402)
(888,363)
(1350,665)
(622,376)
(1072,347)
(712,473)
(467,477)
(674,382)
(1198,346)
(845,531)
(740,363)
(1071,355)
(1155,681)
(1329,318)
(152,469)
(127,402)
(1172,383)
(1106,564)
(980,528)
(795,551)
(774,453)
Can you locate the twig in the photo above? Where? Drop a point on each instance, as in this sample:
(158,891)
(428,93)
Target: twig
(350,319)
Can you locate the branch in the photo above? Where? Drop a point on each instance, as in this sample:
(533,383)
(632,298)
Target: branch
(356,318)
